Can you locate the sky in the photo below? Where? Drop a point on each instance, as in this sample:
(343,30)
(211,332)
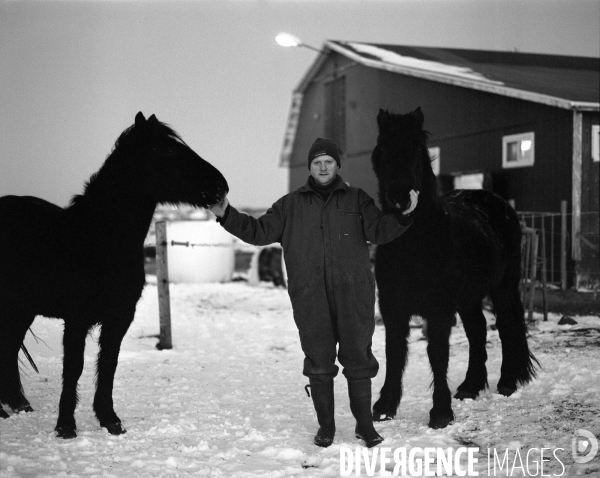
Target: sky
(73,74)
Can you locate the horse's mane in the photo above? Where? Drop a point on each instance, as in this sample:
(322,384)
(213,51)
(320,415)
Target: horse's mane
(128,136)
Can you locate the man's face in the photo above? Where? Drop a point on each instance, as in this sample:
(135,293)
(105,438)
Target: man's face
(323,169)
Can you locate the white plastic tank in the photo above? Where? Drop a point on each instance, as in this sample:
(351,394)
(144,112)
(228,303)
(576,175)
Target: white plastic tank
(207,257)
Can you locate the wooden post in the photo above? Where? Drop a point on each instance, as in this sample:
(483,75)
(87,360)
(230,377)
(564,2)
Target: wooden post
(552,249)
(563,245)
(162,283)
(544,260)
(533,257)
(525,248)
(576,189)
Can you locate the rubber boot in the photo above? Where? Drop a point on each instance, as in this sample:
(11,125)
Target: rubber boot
(359,392)
(323,400)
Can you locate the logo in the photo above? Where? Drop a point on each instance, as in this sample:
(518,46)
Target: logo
(428,461)
(584,446)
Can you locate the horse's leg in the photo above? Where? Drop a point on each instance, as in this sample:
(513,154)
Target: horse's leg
(476,330)
(438,350)
(517,361)
(74,347)
(110,343)
(12,333)
(397,331)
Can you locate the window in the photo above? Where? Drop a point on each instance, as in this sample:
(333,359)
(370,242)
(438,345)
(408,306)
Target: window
(518,150)
(335,112)
(595,143)
(434,155)
(469,181)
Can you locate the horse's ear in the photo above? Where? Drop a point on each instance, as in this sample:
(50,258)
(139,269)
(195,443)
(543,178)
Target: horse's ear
(139,118)
(382,117)
(152,119)
(419,115)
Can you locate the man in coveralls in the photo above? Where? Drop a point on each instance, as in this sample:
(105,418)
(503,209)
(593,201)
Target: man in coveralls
(323,228)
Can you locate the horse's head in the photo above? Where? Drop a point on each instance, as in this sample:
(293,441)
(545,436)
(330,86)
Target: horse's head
(167,168)
(399,157)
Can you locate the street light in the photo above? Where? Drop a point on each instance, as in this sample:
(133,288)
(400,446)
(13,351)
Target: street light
(287,40)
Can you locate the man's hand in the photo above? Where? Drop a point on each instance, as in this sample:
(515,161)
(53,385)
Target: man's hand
(219,208)
(414,199)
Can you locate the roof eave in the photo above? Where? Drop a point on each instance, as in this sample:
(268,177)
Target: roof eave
(463,82)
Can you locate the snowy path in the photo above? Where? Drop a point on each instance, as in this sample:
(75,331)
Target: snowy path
(229,399)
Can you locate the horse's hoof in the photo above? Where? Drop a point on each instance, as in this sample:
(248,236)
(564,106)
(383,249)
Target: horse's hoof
(437,423)
(115,429)
(506,391)
(464,395)
(440,420)
(26,409)
(382,417)
(3,413)
(65,433)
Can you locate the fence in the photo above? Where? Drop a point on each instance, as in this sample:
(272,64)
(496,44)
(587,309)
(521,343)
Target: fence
(547,245)
(553,243)
(556,241)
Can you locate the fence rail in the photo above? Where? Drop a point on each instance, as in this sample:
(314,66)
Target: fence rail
(556,241)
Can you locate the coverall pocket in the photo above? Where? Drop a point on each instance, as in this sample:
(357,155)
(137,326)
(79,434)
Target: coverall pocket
(351,225)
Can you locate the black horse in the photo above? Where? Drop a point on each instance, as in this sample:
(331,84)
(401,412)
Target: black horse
(85,263)
(461,247)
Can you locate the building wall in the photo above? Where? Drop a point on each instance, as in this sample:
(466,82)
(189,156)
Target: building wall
(468,126)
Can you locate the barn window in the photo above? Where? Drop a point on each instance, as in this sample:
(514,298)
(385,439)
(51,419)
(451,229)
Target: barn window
(434,155)
(596,143)
(518,150)
(335,111)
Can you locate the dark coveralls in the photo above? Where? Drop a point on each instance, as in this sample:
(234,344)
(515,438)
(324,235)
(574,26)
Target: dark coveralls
(330,282)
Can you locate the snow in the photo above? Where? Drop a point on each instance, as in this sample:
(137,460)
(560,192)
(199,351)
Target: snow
(228,400)
(396,59)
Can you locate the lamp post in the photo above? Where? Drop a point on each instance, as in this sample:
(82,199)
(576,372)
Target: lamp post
(287,40)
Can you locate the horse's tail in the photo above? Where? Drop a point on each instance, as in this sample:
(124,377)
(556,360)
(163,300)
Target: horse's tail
(29,358)
(519,366)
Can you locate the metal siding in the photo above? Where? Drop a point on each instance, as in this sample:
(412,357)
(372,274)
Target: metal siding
(362,106)
(468,126)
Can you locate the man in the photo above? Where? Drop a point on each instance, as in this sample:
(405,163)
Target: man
(323,228)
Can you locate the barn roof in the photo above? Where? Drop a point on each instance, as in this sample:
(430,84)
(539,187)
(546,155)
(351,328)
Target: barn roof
(563,81)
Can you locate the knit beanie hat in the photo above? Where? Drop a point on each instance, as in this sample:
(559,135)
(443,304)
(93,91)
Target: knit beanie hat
(322,147)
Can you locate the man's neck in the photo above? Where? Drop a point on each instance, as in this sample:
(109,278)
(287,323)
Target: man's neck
(324,190)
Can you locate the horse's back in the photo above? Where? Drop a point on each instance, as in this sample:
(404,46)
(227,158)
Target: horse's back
(26,212)
(486,237)
(28,224)
(460,252)
(31,251)
(486,215)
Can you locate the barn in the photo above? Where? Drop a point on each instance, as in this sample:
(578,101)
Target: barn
(523,125)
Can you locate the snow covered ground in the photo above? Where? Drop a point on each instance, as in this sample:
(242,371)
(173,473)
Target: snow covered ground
(229,399)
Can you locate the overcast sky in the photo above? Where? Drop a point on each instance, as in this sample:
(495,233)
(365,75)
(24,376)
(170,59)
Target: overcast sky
(74,74)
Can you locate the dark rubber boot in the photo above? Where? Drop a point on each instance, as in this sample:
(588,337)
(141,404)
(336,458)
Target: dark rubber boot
(360,405)
(322,396)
